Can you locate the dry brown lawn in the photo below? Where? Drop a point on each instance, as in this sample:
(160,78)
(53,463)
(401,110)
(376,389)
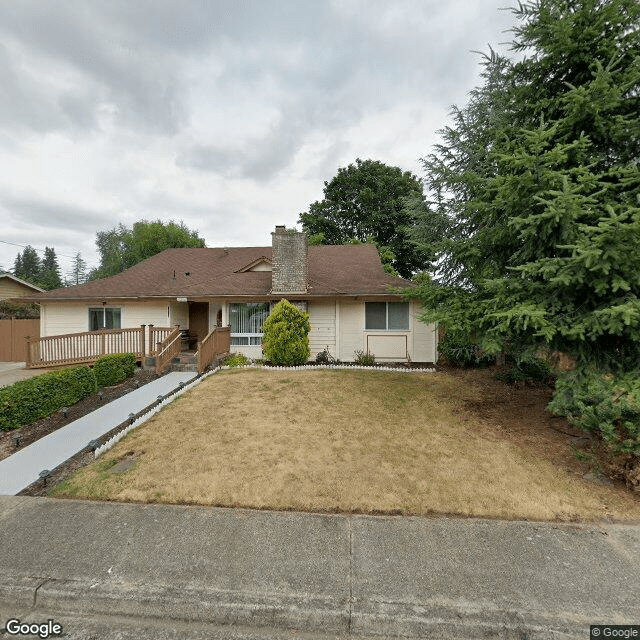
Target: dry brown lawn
(351,441)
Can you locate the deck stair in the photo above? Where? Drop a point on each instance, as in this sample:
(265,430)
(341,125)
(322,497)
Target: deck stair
(186,361)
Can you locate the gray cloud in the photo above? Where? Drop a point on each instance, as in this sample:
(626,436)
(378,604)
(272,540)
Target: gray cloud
(241,98)
(36,211)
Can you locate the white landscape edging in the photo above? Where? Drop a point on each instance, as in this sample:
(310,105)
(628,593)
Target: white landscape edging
(170,397)
(343,367)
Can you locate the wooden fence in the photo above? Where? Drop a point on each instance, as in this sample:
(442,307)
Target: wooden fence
(217,343)
(88,346)
(13,335)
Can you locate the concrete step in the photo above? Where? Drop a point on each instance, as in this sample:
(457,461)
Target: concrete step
(184,367)
(185,359)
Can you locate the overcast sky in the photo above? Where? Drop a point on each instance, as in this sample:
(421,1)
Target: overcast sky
(228,115)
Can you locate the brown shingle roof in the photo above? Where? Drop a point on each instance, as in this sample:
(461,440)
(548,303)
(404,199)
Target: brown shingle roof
(333,270)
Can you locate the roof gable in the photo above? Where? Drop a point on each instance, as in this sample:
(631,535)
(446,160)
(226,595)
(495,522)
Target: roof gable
(9,276)
(260,264)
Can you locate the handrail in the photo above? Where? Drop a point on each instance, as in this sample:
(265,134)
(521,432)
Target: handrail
(83,347)
(215,344)
(168,349)
(157,334)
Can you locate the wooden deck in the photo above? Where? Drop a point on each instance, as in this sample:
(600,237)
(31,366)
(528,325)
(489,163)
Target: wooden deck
(164,343)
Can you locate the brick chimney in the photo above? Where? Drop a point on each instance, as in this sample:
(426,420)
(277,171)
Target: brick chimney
(289,261)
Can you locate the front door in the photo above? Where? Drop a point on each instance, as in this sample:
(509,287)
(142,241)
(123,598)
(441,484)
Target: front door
(199,319)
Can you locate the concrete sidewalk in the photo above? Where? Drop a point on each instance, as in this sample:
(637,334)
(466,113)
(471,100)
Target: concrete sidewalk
(11,372)
(21,469)
(155,571)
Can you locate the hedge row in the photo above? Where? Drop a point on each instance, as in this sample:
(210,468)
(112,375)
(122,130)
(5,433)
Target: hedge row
(28,400)
(114,368)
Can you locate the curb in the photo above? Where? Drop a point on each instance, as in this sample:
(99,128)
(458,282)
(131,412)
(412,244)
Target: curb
(305,613)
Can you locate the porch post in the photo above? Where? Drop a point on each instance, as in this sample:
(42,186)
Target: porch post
(29,359)
(150,339)
(142,342)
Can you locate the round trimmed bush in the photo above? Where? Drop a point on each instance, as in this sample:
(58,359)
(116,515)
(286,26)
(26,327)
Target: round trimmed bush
(286,335)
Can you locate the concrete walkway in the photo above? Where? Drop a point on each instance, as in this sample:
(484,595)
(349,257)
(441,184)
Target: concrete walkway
(11,372)
(107,570)
(21,469)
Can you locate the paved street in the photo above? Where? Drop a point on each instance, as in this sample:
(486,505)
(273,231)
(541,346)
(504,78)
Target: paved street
(160,571)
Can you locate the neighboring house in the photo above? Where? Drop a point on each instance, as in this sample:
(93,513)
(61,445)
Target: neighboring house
(343,288)
(12,287)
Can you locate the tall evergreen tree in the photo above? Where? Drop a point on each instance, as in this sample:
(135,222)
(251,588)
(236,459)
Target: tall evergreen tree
(49,277)
(537,186)
(78,273)
(27,265)
(17,266)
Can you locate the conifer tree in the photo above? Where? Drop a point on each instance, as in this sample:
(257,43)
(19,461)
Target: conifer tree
(17,266)
(27,265)
(536,188)
(78,273)
(49,276)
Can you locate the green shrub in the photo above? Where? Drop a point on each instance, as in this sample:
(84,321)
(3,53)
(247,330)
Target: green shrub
(528,368)
(602,403)
(364,359)
(10,309)
(236,360)
(459,350)
(286,335)
(325,357)
(28,400)
(114,368)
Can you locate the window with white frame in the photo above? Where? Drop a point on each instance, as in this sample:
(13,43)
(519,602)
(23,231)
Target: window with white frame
(246,320)
(105,318)
(386,316)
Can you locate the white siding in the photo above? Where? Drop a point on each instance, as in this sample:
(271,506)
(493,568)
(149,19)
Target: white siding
(251,351)
(136,313)
(424,337)
(351,328)
(213,315)
(322,317)
(58,318)
(392,346)
(418,343)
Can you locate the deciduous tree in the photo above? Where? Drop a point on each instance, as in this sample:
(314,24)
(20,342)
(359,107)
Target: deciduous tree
(365,202)
(121,247)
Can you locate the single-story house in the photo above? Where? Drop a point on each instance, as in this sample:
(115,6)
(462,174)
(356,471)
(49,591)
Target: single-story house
(12,287)
(344,289)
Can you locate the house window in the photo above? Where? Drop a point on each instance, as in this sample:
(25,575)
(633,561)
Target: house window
(386,316)
(247,320)
(105,318)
